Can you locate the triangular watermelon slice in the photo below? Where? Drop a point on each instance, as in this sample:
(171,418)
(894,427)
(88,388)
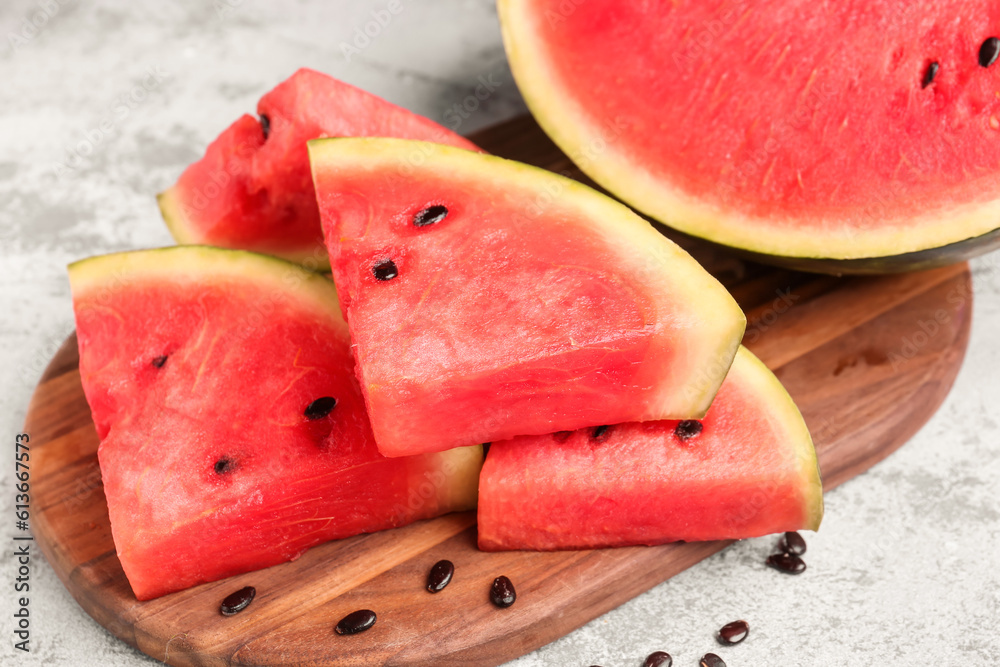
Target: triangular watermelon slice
(253,190)
(233,431)
(747,469)
(488,299)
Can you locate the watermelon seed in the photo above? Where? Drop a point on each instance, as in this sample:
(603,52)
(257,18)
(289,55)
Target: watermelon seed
(711,660)
(600,433)
(355,622)
(658,659)
(561,436)
(238,601)
(502,592)
(929,75)
(159,361)
(688,429)
(786,563)
(430,215)
(223,465)
(385,270)
(320,408)
(989,51)
(440,576)
(265,125)
(792,543)
(733,633)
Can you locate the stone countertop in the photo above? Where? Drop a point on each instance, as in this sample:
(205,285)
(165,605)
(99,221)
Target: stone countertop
(103,103)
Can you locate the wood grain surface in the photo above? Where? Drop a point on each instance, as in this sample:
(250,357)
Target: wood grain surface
(868,360)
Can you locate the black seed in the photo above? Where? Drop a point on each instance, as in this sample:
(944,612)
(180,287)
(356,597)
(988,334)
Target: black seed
(502,592)
(320,408)
(989,51)
(658,659)
(561,436)
(786,563)
(688,429)
(223,465)
(265,125)
(385,270)
(159,361)
(355,622)
(792,543)
(733,633)
(601,433)
(440,576)
(929,75)
(430,215)
(711,660)
(238,601)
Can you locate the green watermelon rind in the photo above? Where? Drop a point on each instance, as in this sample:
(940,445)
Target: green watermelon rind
(184,233)
(662,261)
(784,413)
(568,124)
(187,262)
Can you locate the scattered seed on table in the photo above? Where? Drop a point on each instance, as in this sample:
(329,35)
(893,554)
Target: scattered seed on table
(733,633)
(238,601)
(355,622)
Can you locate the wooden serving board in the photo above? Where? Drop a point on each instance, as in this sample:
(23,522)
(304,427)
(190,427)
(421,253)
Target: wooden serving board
(867,360)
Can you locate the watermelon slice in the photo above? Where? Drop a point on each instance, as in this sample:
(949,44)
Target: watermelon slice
(812,132)
(747,469)
(488,299)
(233,432)
(253,190)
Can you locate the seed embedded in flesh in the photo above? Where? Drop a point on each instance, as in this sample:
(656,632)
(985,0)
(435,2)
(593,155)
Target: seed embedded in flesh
(320,408)
(658,659)
(733,633)
(159,361)
(385,270)
(688,429)
(711,660)
(502,592)
(355,622)
(989,51)
(786,563)
(238,601)
(440,576)
(223,465)
(601,433)
(430,215)
(792,543)
(929,74)
(265,125)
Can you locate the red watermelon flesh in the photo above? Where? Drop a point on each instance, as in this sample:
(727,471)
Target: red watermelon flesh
(203,368)
(489,299)
(842,129)
(253,190)
(750,471)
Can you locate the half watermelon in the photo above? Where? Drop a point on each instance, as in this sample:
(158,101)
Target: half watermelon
(233,431)
(488,299)
(850,136)
(253,189)
(747,469)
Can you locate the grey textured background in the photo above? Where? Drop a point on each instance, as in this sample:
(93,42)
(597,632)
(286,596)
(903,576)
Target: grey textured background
(906,569)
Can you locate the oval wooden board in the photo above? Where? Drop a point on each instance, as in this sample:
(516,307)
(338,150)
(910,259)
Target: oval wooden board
(867,360)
